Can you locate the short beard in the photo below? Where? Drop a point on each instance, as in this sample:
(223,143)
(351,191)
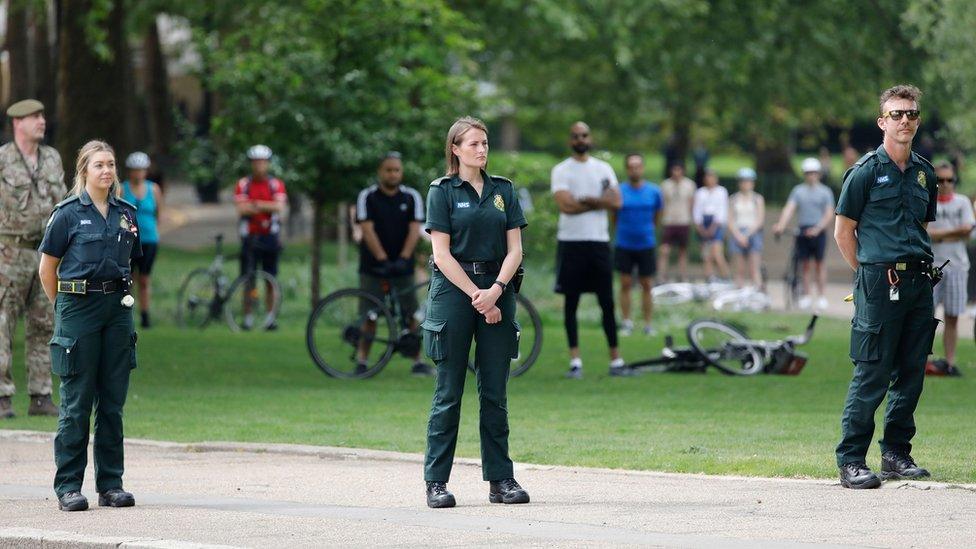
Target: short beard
(581,148)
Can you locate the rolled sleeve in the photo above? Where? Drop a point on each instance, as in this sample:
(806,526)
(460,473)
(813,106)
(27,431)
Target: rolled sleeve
(438,211)
(515,219)
(853,195)
(55,242)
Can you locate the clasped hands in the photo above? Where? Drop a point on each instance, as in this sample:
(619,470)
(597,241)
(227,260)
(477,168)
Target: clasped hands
(483,301)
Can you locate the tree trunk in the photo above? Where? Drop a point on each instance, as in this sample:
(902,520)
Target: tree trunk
(121,63)
(161,126)
(774,158)
(342,235)
(318,209)
(18,50)
(89,108)
(44,74)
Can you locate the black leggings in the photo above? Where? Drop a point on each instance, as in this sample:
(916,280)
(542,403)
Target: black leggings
(605,298)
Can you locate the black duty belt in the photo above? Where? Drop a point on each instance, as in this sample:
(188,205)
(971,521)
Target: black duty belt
(475,267)
(921,266)
(85,287)
(20,241)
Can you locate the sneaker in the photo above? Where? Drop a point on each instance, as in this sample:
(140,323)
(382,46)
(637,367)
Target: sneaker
(248,322)
(649,330)
(575,369)
(618,368)
(360,368)
(804,302)
(421,370)
(822,304)
(626,328)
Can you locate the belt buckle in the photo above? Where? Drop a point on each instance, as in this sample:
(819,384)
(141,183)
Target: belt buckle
(902,266)
(72,287)
(105,286)
(475,269)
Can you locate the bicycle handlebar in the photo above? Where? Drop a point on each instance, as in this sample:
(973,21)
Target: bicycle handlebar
(805,338)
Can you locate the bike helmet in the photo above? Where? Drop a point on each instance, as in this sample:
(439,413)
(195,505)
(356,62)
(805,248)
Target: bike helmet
(259,152)
(810,165)
(747,173)
(137,161)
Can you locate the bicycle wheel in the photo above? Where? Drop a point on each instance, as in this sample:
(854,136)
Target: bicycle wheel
(530,342)
(252,295)
(725,347)
(195,297)
(347,322)
(673,293)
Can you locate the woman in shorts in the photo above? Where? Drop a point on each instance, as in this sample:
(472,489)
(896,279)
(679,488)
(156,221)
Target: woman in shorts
(747,210)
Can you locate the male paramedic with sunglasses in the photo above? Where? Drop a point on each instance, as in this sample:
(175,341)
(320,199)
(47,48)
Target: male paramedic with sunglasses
(888,199)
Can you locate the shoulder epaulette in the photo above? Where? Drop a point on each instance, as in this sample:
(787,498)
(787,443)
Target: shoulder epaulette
(439,180)
(923,160)
(860,162)
(127,203)
(68,200)
(502,179)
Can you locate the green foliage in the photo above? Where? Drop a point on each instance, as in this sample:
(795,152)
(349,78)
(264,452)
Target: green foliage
(330,85)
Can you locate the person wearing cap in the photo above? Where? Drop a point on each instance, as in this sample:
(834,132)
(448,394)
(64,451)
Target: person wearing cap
(747,212)
(261,199)
(148,198)
(813,204)
(949,232)
(88,244)
(710,213)
(885,205)
(475,222)
(31,184)
(389,215)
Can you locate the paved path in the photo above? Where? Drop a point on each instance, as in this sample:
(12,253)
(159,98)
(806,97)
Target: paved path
(304,496)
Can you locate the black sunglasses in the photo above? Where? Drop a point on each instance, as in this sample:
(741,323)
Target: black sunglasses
(897,114)
(579,135)
(947,180)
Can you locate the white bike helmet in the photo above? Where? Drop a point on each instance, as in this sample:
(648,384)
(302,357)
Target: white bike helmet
(259,152)
(746,173)
(137,161)
(810,165)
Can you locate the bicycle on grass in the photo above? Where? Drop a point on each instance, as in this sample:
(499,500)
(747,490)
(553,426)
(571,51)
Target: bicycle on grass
(353,334)
(206,295)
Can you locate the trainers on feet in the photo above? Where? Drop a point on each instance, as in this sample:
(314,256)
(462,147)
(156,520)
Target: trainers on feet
(822,304)
(649,330)
(626,327)
(575,369)
(804,302)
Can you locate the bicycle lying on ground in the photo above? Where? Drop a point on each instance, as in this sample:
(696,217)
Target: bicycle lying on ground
(723,346)
(723,296)
(206,295)
(353,334)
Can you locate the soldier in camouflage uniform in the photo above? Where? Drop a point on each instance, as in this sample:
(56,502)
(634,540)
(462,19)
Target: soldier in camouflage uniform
(31,184)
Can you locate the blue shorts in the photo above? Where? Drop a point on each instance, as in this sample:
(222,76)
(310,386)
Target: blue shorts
(719,234)
(754,244)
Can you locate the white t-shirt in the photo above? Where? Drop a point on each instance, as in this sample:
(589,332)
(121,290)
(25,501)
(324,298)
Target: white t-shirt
(583,180)
(952,215)
(713,202)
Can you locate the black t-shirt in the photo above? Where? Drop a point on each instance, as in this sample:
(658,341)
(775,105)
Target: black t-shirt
(391,217)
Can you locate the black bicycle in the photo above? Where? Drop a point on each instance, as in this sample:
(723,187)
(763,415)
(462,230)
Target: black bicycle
(207,294)
(792,277)
(724,346)
(353,334)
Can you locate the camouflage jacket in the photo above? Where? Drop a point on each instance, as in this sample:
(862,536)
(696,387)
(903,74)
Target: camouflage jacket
(26,202)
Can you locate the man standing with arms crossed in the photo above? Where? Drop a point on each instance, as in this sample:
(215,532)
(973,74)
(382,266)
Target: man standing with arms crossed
(888,199)
(585,188)
(31,184)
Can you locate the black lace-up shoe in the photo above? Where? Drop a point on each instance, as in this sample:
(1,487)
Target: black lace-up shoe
(73,501)
(857,476)
(895,466)
(437,495)
(116,497)
(507,491)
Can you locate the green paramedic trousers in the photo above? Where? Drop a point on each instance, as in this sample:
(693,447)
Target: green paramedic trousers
(92,351)
(890,341)
(451,325)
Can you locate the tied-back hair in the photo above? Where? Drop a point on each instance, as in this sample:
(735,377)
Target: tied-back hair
(85,154)
(454,135)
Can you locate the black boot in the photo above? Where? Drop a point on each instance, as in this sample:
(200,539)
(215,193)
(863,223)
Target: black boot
(895,466)
(857,476)
(73,501)
(506,491)
(437,495)
(116,497)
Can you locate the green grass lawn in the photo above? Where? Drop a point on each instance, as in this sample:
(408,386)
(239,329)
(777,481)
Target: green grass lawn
(215,385)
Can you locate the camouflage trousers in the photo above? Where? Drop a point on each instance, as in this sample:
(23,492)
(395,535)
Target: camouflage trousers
(21,294)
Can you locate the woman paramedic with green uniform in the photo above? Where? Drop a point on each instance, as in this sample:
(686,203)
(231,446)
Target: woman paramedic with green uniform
(475,223)
(84,269)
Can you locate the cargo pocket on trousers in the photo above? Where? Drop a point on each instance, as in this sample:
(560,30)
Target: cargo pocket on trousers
(64,360)
(517,338)
(930,342)
(133,337)
(435,346)
(865,341)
